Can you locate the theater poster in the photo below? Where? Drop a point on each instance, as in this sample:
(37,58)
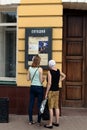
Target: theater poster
(38,41)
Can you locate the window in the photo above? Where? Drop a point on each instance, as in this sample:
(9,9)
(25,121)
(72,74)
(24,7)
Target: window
(8,22)
(8,17)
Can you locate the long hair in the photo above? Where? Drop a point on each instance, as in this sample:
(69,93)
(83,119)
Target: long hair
(36,61)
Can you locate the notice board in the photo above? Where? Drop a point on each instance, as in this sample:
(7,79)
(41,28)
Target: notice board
(38,41)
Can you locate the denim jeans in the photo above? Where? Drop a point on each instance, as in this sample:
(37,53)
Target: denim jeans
(35,92)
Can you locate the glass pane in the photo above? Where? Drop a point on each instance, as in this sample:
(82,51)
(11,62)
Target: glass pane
(8,17)
(10,65)
(2,52)
(7,52)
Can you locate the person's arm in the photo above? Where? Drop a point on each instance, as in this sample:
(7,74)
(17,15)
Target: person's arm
(48,84)
(62,76)
(28,76)
(41,75)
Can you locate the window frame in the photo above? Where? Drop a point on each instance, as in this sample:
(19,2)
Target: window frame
(9,80)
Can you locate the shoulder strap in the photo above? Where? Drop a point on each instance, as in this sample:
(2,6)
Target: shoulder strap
(34,74)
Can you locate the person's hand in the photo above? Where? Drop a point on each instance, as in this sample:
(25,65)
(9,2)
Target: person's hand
(45,96)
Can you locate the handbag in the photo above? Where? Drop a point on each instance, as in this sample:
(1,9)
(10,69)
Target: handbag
(44,110)
(42,107)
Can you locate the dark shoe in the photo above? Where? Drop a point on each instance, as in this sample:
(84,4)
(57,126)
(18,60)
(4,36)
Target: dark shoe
(56,124)
(48,126)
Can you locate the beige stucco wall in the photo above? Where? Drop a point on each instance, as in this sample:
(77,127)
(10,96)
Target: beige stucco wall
(38,13)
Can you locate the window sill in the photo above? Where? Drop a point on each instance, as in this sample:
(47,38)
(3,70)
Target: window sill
(8,83)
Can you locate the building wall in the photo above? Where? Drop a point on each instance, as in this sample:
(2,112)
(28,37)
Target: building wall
(36,13)
(32,13)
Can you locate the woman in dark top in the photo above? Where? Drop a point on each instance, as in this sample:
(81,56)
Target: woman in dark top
(52,92)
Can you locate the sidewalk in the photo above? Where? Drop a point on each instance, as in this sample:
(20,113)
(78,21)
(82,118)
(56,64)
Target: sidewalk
(71,119)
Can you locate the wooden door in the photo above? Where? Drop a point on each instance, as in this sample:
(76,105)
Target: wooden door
(74,58)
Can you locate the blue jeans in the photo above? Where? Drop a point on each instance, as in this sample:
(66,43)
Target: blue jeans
(35,92)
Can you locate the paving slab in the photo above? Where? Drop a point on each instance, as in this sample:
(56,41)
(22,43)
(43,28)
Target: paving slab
(70,119)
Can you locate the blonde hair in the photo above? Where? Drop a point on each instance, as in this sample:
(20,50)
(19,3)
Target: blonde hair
(36,61)
(52,63)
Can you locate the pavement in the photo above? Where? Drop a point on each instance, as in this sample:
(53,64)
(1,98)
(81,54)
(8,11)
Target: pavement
(70,119)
